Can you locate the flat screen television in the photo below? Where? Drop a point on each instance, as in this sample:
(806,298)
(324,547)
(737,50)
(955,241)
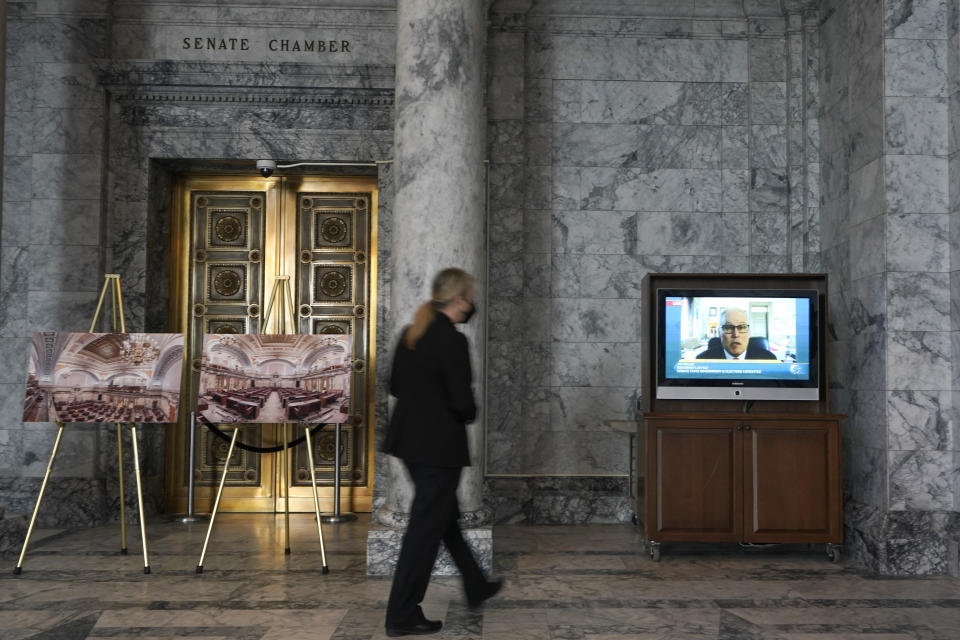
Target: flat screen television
(737,344)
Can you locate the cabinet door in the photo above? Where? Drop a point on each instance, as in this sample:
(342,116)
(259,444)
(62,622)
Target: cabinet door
(791,481)
(694,489)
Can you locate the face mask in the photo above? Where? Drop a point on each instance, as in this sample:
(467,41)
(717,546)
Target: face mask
(469,312)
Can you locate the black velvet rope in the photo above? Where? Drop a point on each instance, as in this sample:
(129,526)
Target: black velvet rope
(249,447)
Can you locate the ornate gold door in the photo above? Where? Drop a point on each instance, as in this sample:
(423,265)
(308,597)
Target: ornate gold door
(233,240)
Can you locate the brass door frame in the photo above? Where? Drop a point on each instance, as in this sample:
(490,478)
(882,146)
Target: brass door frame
(280,258)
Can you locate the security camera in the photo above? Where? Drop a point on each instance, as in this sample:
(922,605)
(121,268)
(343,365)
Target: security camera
(266,167)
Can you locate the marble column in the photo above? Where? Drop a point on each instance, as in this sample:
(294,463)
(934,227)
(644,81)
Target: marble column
(439,220)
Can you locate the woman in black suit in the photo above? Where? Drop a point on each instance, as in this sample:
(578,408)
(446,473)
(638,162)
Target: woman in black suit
(431,379)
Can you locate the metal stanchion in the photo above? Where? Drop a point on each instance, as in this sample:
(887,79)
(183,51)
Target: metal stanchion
(337,516)
(190,517)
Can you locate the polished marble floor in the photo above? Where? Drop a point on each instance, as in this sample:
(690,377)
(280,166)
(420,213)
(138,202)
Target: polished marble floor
(572,583)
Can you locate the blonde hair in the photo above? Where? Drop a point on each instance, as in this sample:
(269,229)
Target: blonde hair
(447,285)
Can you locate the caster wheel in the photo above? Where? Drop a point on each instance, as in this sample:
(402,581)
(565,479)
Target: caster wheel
(654,551)
(833,554)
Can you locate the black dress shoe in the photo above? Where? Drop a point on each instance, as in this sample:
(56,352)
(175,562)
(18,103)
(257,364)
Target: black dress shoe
(423,628)
(489,590)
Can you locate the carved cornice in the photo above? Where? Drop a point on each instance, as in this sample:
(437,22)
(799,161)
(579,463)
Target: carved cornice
(256,96)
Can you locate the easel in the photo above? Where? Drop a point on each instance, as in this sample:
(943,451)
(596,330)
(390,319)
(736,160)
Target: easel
(117,308)
(281,285)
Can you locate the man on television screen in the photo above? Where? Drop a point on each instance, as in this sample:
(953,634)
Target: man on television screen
(735,341)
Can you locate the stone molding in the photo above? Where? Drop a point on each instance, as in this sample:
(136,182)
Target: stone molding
(730,9)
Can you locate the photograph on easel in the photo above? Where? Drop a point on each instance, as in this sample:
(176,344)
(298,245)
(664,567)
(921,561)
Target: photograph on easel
(275,378)
(103,377)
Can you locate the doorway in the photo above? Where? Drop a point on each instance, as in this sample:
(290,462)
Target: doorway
(233,240)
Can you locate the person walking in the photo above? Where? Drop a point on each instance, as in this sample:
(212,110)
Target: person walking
(432,381)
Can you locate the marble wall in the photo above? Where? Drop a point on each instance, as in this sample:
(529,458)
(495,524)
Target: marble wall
(887,207)
(639,139)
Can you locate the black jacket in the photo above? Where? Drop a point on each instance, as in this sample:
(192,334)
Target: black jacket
(433,386)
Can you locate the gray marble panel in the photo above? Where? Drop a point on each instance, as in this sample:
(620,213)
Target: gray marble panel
(866,24)
(835,86)
(507,229)
(866,136)
(768,146)
(68,130)
(768,189)
(22,45)
(506,271)
(664,190)
(768,60)
(566,275)
(918,360)
(537,143)
(918,242)
(13,313)
(954,128)
(866,304)
(17,178)
(18,133)
(16,224)
(658,102)
(866,80)
(812,140)
(915,18)
(664,233)
(735,147)
(867,193)
(76,457)
(65,85)
(736,191)
(921,480)
(868,426)
(692,60)
(536,231)
(610,276)
(504,409)
(915,126)
(598,145)
(596,320)
(71,40)
(582,57)
(20,88)
(768,233)
(11,441)
(58,222)
(918,301)
(537,274)
(563,453)
(505,141)
(594,232)
(589,408)
(735,264)
(66,176)
(915,68)
(505,52)
(506,185)
(15,274)
(919,420)
(535,412)
(504,318)
(64,268)
(62,310)
(768,103)
(607,364)
(537,363)
(735,234)
(538,193)
(867,476)
(867,351)
(867,242)
(565,188)
(537,317)
(538,104)
(567,99)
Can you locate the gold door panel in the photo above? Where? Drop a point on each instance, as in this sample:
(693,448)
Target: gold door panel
(234,238)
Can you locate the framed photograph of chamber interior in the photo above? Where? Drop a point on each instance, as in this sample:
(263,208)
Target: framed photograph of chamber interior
(103,377)
(275,378)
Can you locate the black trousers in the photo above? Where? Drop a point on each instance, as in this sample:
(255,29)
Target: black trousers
(433,518)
